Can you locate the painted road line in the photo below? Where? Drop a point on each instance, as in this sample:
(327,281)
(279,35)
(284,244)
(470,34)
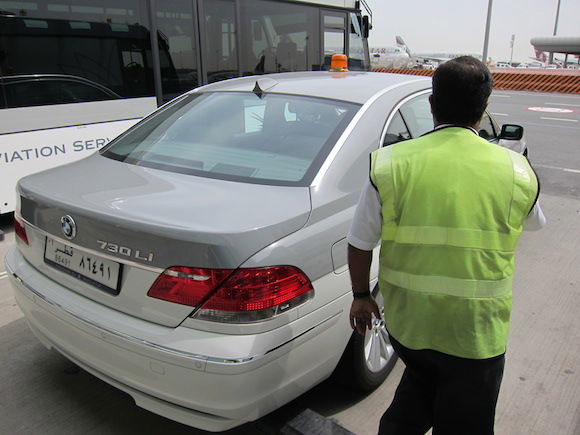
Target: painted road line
(559,119)
(574,171)
(562,104)
(550,109)
(501,96)
(3,275)
(543,124)
(499,114)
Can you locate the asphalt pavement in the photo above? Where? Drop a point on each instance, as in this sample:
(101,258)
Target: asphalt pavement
(42,393)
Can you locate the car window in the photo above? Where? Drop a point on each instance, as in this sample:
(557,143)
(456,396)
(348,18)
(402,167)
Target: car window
(396,131)
(31,93)
(43,92)
(71,92)
(417,115)
(486,128)
(272,139)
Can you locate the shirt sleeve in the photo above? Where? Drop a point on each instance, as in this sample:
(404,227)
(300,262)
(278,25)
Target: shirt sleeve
(536,219)
(365,230)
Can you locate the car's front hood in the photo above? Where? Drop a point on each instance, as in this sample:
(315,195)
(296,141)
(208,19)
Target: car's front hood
(179,219)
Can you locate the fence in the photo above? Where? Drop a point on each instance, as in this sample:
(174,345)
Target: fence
(562,81)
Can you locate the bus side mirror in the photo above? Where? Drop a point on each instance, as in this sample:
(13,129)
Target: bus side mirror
(366,26)
(511,132)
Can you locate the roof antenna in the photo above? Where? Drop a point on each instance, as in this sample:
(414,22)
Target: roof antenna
(262,85)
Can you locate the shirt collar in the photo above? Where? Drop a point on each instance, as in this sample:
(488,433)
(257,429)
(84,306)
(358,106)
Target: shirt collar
(440,126)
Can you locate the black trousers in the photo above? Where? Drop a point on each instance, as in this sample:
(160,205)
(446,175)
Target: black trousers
(453,395)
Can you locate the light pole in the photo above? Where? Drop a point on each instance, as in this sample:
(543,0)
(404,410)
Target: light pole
(555,29)
(512,47)
(487,24)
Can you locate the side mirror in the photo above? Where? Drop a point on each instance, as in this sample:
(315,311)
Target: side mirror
(366,26)
(511,132)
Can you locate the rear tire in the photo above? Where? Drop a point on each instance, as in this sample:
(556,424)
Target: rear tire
(368,360)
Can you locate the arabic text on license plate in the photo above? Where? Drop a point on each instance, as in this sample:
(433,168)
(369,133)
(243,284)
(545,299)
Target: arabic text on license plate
(93,269)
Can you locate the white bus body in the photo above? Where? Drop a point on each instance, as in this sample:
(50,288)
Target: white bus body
(24,151)
(74,75)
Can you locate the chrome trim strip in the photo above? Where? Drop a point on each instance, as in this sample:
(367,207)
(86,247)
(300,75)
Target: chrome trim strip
(149,344)
(122,335)
(92,251)
(394,111)
(346,133)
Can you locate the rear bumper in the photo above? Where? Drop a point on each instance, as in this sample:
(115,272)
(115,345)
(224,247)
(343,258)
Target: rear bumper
(158,366)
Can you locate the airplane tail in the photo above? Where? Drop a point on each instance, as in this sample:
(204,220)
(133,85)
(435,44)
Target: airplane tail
(540,55)
(401,43)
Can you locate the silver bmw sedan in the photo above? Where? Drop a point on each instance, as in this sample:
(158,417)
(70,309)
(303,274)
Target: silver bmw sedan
(198,262)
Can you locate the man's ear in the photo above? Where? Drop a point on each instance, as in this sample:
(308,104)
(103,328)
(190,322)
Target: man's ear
(431,103)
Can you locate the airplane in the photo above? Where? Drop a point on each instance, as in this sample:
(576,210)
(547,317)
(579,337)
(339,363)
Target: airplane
(400,56)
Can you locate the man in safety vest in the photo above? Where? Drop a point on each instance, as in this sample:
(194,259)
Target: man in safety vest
(448,208)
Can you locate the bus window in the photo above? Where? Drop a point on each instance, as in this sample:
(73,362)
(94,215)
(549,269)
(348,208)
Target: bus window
(179,71)
(334,35)
(278,37)
(220,40)
(81,42)
(357,48)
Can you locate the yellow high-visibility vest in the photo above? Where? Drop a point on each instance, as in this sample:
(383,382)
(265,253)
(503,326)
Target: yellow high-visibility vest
(453,208)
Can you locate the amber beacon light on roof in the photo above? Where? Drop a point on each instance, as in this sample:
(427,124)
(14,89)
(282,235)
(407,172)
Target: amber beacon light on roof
(339,63)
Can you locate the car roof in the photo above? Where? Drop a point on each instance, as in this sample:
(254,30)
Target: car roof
(356,87)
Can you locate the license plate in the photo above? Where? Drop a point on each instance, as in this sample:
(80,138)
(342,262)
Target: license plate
(100,272)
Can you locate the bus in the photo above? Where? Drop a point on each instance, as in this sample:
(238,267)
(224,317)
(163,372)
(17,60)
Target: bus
(74,74)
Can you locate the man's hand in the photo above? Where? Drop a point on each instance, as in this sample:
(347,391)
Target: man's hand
(361,312)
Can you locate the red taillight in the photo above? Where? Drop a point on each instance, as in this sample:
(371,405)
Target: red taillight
(258,289)
(20,230)
(187,285)
(242,295)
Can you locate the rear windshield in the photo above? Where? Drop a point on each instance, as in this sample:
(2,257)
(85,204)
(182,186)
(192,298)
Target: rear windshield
(276,139)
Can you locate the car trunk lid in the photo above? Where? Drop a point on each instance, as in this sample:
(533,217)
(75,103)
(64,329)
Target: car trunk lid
(149,220)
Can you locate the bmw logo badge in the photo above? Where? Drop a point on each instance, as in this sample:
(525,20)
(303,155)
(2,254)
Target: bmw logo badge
(68,226)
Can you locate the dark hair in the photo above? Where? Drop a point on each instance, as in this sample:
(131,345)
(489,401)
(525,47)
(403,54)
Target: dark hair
(461,88)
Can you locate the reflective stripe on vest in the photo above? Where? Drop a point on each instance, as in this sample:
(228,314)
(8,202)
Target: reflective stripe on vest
(468,288)
(460,237)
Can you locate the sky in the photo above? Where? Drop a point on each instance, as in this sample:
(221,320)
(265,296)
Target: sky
(458,26)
